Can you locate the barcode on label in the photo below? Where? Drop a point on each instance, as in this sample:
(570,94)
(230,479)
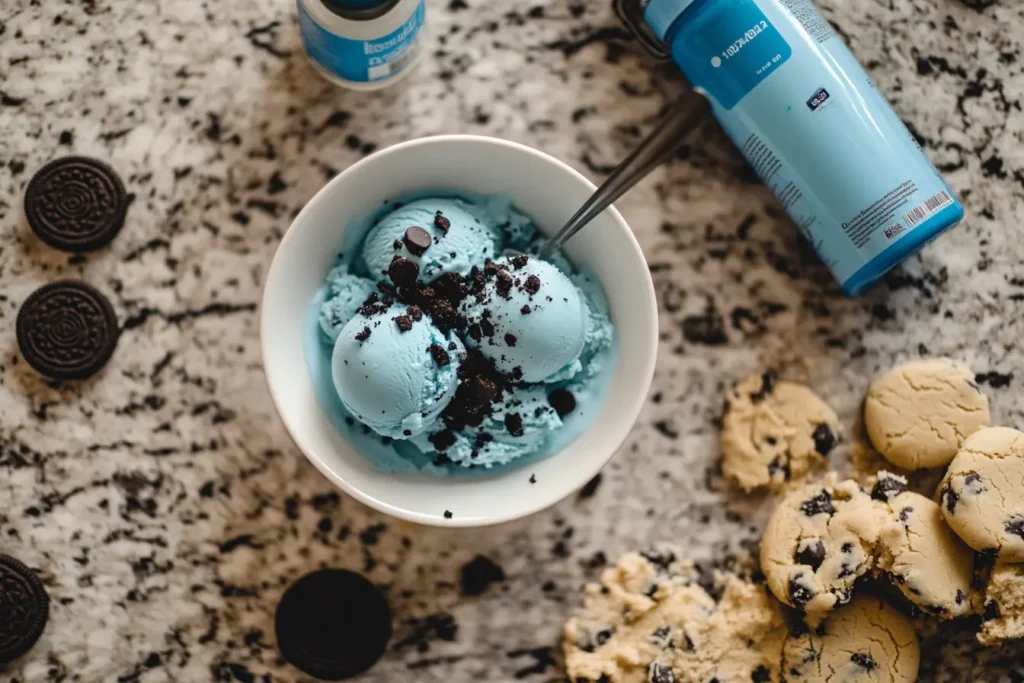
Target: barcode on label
(930,206)
(393,67)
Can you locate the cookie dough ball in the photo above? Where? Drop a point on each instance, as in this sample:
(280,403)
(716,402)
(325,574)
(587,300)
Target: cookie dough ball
(1003,615)
(866,641)
(982,494)
(918,414)
(774,431)
(649,620)
(927,562)
(819,540)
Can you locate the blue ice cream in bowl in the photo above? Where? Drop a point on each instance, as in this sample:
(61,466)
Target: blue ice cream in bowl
(448,374)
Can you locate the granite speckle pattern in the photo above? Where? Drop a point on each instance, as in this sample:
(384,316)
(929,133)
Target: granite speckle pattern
(163,503)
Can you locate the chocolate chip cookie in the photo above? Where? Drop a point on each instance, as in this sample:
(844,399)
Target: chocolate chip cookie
(774,431)
(982,496)
(819,540)
(866,641)
(918,414)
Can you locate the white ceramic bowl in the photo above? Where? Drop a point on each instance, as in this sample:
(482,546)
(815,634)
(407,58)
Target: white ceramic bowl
(545,189)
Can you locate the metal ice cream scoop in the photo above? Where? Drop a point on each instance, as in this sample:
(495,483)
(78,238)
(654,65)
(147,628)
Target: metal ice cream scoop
(686,116)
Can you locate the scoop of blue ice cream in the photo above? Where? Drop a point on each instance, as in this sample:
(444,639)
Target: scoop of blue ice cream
(395,373)
(461,238)
(344,294)
(529,319)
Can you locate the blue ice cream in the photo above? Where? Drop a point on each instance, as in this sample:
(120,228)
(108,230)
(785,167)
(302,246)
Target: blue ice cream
(529,319)
(394,370)
(345,293)
(481,357)
(461,237)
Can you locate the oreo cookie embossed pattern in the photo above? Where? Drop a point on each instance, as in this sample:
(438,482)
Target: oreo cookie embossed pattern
(24,608)
(67,330)
(76,204)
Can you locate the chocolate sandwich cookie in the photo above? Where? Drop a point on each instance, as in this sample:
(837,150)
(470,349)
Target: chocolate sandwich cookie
(76,204)
(67,330)
(24,609)
(333,624)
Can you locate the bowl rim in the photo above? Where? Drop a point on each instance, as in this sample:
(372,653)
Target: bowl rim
(535,505)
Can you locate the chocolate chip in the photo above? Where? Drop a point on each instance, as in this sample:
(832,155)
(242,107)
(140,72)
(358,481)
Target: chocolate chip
(1015,526)
(761,675)
(863,660)
(820,504)
(812,554)
(519,261)
(992,611)
(363,335)
(514,424)
(452,346)
(888,486)
(416,240)
(562,401)
(403,271)
(768,380)
(949,498)
(441,356)
(532,284)
(404,322)
(442,223)
(602,637)
(662,634)
(905,514)
(659,673)
(525,310)
(517,373)
(799,594)
(510,339)
(396,245)
(824,439)
(971,479)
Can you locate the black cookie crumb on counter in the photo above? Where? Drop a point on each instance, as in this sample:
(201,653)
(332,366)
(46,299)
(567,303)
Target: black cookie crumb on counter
(478,574)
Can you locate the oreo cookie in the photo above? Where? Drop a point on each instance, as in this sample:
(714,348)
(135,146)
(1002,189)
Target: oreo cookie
(76,204)
(67,330)
(24,609)
(332,624)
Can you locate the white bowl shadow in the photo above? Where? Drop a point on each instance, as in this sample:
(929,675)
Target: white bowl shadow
(545,189)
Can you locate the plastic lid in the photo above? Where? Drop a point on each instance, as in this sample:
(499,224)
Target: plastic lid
(661,14)
(360,10)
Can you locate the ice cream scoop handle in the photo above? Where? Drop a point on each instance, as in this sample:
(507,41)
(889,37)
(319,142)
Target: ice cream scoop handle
(685,116)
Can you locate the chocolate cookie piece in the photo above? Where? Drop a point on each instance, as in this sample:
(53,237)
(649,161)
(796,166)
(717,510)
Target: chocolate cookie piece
(67,330)
(76,204)
(24,609)
(332,624)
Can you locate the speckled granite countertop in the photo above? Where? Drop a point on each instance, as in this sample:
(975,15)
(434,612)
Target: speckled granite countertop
(163,502)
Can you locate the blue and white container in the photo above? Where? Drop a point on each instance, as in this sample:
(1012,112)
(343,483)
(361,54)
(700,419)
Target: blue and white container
(808,119)
(362,44)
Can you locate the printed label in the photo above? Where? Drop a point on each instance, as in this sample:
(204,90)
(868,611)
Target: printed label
(730,49)
(817,99)
(362,61)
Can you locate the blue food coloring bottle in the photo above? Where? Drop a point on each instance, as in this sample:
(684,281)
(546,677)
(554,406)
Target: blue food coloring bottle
(362,44)
(809,120)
